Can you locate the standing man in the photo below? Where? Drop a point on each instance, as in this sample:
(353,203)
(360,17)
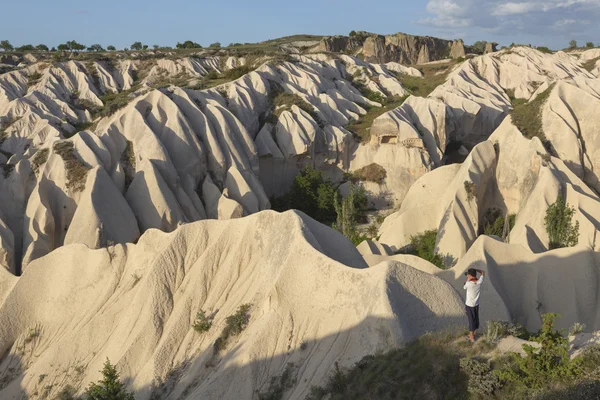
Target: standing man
(473,288)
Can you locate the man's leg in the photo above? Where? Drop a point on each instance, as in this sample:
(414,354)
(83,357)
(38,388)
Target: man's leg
(471,318)
(476,319)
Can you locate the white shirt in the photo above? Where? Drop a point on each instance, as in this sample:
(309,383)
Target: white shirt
(473,289)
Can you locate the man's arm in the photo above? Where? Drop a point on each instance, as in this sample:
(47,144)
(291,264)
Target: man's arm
(480,280)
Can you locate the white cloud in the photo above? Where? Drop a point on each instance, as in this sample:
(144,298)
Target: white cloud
(514,8)
(553,20)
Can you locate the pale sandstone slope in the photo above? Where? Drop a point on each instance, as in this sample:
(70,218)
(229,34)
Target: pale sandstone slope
(136,304)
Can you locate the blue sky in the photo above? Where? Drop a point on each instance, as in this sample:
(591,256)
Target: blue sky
(120,23)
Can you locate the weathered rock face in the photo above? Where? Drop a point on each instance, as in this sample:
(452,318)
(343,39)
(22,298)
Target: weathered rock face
(490,47)
(338,44)
(457,49)
(408,49)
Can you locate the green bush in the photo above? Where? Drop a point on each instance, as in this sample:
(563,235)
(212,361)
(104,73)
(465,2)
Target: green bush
(493,223)
(482,380)
(110,387)
(236,73)
(559,225)
(202,323)
(75,168)
(544,49)
(234,325)
(423,245)
(312,194)
(540,367)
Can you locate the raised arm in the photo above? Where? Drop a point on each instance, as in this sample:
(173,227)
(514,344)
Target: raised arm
(481,272)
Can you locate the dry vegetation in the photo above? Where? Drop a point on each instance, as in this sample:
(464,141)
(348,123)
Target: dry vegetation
(370,173)
(589,65)
(128,163)
(75,168)
(40,158)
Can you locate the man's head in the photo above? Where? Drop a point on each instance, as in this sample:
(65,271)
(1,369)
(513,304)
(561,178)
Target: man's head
(472,272)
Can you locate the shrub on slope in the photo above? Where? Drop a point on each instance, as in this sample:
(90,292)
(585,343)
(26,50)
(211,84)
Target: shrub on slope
(559,225)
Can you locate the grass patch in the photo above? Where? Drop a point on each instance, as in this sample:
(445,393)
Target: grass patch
(370,173)
(362,127)
(427,368)
(113,102)
(236,73)
(589,65)
(234,325)
(433,76)
(76,169)
(527,116)
(285,101)
(128,163)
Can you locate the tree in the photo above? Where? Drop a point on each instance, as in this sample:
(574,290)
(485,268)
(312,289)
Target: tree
(63,47)
(41,47)
(111,48)
(155,46)
(109,387)
(347,212)
(479,47)
(72,45)
(215,45)
(573,44)
(26,47)
(589,44)
(559,225)
(5,45)
(352,33)
(136,46)
(188,44)
(145,47)
(53,49)
(95,47)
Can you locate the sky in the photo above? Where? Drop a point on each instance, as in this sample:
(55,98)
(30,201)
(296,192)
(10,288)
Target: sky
(551,23)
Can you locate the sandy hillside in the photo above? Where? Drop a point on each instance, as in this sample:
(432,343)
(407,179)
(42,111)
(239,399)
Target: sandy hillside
(135,193)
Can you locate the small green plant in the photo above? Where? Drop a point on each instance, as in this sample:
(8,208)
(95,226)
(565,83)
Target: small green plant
(109,387)
(544,49)
(234,325)
(423,245)
(576,329)
(559,225)
(33,334)
(471,190)
(498,329)
(482,380)
(202,322)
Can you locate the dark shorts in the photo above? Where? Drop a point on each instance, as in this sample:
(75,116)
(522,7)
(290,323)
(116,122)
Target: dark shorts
(473,316)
